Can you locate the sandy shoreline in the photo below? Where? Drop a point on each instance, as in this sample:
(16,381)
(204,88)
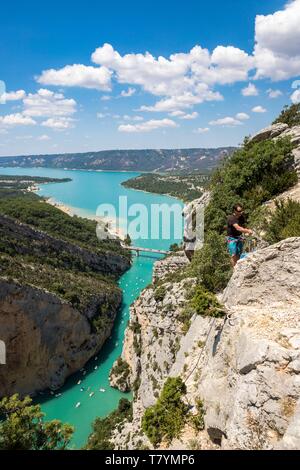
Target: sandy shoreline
(110,224)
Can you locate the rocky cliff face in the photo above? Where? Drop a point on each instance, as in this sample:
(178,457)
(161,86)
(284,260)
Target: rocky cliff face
(46,338)
(245,370)
(57,305)
(250,383)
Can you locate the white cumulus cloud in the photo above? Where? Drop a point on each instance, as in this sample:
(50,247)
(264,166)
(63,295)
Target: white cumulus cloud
(185,79)
(17,119)
(59,123)
(226,122)
(46,103)
(277,51)
(202,130)
(189,116)
(177,113)
(78,75)
(128,93)
(126,117)
(242,116)
(295,97)
(147,126)
(181,75)
(13,95)
(259,109)
(184,101)
(250,90)
(274,93)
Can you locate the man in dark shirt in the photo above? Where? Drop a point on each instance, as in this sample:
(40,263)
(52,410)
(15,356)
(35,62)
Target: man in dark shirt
(235,229)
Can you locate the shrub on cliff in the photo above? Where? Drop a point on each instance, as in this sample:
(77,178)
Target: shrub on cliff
(104,427)
(211,264)
(159,293)
(290,115)
(285,221)
(166,418)
(23,427)
(254,174)
(121,371)
(205,303)
(202,302)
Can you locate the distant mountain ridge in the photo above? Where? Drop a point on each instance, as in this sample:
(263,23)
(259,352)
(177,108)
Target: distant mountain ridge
(127,160)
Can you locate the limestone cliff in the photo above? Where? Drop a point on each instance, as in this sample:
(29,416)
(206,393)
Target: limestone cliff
(58,302)
(46,338)
(245,370)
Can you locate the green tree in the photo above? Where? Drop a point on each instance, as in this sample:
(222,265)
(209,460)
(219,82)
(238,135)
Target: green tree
(23,427)
(211,264)
(166,418)
(290,115)
(127,240)
(254,174)
(103,428)
(205,303)
(285,221)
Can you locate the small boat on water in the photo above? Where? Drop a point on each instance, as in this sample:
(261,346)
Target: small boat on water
(96,358)
(79,382)
(51,393)
(96,367)
(82,389)
(77,405)
(92,394)
(117,344)
(102,390)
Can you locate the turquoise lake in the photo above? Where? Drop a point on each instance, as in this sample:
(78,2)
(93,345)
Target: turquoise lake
(84,193)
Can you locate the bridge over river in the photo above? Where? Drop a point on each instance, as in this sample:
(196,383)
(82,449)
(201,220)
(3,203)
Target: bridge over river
(138,249)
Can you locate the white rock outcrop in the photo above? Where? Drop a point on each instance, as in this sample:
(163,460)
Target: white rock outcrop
(245,369)
(269,132)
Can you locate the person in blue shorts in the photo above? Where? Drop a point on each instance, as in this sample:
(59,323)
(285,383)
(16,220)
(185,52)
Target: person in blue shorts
(235,229)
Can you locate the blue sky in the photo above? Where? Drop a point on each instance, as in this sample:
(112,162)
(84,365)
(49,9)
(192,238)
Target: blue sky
(97,75)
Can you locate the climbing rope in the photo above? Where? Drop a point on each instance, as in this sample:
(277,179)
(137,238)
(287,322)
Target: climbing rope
(212,323)
(231,322)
